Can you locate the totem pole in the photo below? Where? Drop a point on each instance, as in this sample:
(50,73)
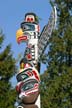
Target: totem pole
(28,77)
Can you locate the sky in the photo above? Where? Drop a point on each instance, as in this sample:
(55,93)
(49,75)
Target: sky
(12,14)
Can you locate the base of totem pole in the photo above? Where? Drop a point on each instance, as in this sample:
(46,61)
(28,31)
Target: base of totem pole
(36,105)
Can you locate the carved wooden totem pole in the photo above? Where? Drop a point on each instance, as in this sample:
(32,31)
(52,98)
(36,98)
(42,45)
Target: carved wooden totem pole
(28,77)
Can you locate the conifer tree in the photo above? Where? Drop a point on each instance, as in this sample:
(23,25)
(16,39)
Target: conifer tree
(56,89)
(7,70)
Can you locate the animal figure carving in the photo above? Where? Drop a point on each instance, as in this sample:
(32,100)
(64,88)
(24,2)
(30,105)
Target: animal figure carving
(28,77)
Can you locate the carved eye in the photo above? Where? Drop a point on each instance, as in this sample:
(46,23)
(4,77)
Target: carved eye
(28,19)
(31,19)
(26,27)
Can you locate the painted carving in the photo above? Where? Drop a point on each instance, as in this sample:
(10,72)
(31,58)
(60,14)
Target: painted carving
(28,77)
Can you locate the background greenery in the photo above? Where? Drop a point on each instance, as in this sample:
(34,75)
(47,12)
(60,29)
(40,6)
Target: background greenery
(7,70)
(56,82)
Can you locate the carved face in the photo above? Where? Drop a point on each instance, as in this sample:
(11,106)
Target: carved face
(30,18)
(30,73)
(28,87)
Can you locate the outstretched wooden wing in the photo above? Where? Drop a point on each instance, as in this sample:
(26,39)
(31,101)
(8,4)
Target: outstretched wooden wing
(47,32)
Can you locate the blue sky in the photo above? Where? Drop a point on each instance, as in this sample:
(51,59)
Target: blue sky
(12,14)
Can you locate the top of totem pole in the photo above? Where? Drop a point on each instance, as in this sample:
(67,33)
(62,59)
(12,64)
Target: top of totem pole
(31,17)
(28,27)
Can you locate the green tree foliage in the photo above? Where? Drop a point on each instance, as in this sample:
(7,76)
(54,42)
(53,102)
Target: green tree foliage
(56,88)
(7,70)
